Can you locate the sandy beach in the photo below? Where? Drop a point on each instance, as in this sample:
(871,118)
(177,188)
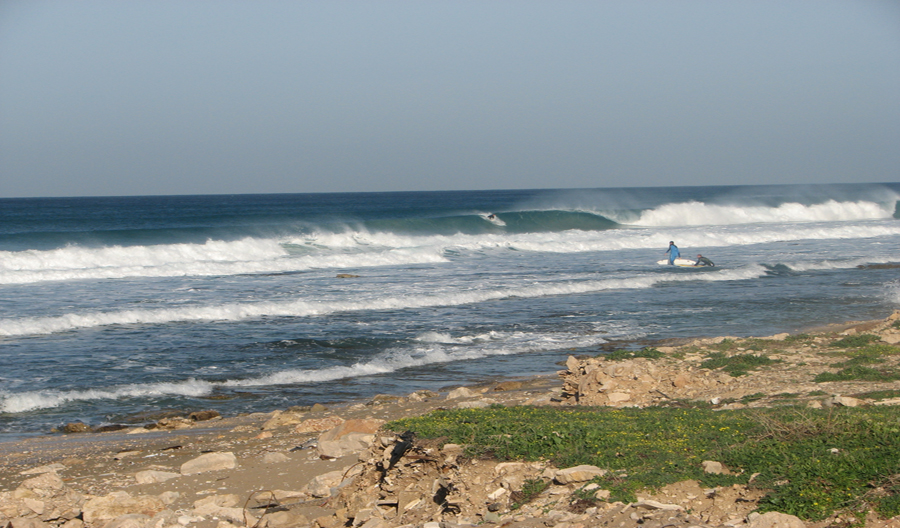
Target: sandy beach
(277,459)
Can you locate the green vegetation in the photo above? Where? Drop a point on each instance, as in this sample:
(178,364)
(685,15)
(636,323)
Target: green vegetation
(855,368)
(619,355)
(798,338)
(879,395)
(725,345)
(530,490)
(859,373)
(855,341)
(813,462)
(737,365)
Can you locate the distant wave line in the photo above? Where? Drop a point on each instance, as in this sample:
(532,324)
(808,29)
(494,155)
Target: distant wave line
(238,311)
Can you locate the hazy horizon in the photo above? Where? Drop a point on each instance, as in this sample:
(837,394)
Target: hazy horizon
(104,98)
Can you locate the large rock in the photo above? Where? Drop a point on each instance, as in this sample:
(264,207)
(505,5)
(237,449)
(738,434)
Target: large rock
(152,476)
(283,519)
(223,507)
(461,392)
(349,437)
(130,520)
(349,444)
(319,425)
(321,485)
(281,419)
(581,473)
(100,510)
(28,522)
(46,484)
(776,520)
(364,426)
(209,462)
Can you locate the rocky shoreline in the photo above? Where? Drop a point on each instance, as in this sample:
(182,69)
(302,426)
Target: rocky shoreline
(329,467)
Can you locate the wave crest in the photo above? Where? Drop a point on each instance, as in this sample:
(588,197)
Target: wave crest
(698,213)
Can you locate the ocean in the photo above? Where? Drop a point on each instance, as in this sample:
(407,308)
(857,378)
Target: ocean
(114,308)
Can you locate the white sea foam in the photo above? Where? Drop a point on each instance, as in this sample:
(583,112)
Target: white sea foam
(29,401)
(361,249)
(303,308)
(454,349)
(698,213)
(214,258)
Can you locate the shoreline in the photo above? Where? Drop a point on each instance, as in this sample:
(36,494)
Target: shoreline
(276,451)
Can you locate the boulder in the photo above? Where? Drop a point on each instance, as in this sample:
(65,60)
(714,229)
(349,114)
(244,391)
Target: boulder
(321,485)
(76,427)
(99,510)
(271,459)
(776,520)
(209,462)
(840,401)
(44,485)
(714,468)
(347,444)
(283,519)
(581,473)
(282,419)
(28,522)
(203,416)
(461,392)
(152,476)
(364,426)
(318,425)
(129,520)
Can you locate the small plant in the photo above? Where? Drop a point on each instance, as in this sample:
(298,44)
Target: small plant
(855,341)
(896,324)
(879,395)
(531,488)
(725,345)
(620,355)
(753,397)
(757,345)
(737,365)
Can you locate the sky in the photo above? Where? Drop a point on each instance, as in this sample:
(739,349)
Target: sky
(105,97)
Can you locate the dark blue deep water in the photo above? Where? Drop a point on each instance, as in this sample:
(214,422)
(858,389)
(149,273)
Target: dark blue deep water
(110,307)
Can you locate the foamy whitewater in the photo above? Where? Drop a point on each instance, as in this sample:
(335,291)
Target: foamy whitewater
(114,308)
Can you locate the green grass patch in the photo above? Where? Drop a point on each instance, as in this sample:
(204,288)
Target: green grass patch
(798,338)
(737,365)
(724,346)
(791,449)
(787,396)
(530,490)
(859,373)
(855,341)
(753,397)
(619,355)
(879,395)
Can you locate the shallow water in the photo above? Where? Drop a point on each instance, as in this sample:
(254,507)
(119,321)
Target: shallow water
(111,307)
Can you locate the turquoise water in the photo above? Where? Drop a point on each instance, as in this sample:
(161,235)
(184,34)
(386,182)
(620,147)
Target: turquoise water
(112,307)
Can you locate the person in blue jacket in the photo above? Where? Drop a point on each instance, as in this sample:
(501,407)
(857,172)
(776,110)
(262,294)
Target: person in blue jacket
(673,253)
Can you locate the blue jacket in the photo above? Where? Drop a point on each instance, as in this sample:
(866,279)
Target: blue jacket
(673,252)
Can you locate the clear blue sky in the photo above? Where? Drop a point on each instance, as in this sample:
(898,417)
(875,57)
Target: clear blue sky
(206,97)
